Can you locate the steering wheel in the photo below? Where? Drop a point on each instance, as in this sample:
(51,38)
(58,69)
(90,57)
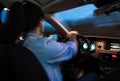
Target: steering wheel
(83,48)
(83,51)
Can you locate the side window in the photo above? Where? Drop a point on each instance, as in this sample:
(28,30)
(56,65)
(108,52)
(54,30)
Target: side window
(50,31)
(48,27)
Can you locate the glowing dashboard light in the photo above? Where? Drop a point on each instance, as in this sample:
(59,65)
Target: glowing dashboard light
(85,46)
(93,47)
(114,56)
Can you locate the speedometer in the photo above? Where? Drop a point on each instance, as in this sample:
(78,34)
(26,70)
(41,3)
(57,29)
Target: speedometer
(92,46)
(85,46)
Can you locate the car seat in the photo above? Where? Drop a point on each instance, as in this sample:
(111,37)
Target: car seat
(17,62)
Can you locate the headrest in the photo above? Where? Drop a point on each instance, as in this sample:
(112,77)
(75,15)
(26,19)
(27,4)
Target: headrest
(13,23)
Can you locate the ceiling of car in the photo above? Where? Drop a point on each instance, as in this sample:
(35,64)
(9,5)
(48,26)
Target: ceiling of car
(52,6)
(45,2)
(8,3)
(49,6)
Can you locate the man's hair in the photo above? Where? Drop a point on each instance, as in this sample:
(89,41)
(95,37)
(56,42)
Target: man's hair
(33,16)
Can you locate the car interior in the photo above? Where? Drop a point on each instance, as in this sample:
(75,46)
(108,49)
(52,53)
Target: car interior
(99,39)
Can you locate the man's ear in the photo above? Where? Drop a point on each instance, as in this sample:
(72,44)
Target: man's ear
(41,26)
(41,23)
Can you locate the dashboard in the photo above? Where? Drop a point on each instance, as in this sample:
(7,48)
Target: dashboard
(107,49)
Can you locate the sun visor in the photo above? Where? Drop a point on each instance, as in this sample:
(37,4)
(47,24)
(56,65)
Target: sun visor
(108,8)
(61,5)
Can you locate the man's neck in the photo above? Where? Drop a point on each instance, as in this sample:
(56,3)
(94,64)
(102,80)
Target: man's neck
(36,32)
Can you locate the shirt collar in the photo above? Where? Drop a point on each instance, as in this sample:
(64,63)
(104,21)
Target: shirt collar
(30,34)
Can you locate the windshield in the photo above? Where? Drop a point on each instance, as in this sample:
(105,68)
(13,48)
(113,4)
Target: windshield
(83,20)
(76,14)
(73,15)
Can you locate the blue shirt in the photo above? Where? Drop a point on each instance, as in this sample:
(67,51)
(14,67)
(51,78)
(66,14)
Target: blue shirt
(50,53)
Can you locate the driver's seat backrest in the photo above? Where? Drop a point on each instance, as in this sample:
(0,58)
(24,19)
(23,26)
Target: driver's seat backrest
(25,64)
(20,63)
(9,31)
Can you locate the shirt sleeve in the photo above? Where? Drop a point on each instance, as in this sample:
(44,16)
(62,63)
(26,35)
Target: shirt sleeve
(57,52)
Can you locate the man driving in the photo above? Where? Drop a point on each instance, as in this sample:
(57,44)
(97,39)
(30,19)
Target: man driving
(50,53)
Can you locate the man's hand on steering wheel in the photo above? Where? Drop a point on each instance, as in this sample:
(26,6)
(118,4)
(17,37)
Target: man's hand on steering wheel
(72,35)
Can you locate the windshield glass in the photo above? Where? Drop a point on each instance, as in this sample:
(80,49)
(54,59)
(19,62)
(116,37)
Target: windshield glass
(72,15)
(76,14)
(83,20)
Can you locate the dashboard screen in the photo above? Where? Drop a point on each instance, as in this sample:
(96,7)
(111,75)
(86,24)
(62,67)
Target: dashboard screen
(115,46)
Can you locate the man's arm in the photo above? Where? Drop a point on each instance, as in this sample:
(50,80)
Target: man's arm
(57,52)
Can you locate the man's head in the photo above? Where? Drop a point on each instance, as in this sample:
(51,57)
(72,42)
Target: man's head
(34,18)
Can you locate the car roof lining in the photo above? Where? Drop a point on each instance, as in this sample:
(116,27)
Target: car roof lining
(9,3)
(49,6)
(56,5)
